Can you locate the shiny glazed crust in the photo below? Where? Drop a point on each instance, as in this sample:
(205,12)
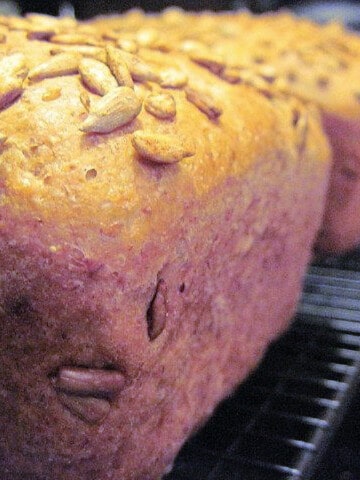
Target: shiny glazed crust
(143,269)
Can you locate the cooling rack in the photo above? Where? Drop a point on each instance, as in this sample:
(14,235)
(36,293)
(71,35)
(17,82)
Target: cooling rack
(278,424)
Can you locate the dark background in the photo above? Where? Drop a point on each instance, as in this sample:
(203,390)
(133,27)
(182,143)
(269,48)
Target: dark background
(342,461)
(88,8)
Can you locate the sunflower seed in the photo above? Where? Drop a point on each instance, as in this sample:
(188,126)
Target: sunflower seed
(114,110)
(232,75)
(9,92)
(18,23)
(172,78)
(12,73)
(161,148)
(97,53)
(13,65)
(147,37)
(75,39)
(63,64)
(89,382)
(204,102)
(140,70)
(85,100)
(205,58)
(161,105)
(118,67)
(97,76)
(40,33)
(88,409)
(127,45)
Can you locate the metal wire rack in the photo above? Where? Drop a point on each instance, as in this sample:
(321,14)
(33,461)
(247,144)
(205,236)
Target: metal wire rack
(277,425)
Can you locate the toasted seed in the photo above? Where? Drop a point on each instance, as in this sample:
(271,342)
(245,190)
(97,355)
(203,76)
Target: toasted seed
(97,53)
(161,105)
(63,64)
(267,72)
(157,312)
(91,382)
(75,39)
(204,102)
(118,67)
(85,100)
(40,32)
(12,74)
(232,75)
(161,148)
(13,65)
(10,89)
(211,61)
(42,19)
(188,46)
(18,23)
(127,45)
(9,92)
(97,76)
(114,110)
(3,38)
(147,37)
(172,78)
(51,94)
(140,71)
(90,410)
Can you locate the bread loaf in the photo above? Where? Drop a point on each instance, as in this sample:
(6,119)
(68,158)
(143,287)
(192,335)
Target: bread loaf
(155,225)
(320,64)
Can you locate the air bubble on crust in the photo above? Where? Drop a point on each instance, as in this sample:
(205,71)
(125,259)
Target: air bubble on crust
(91,174)
(323,83)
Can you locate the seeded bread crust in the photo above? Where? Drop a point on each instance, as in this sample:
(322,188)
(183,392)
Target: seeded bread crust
(277,52)
(155,225)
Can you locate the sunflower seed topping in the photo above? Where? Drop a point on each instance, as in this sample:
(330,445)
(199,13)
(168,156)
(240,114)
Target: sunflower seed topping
(63,64)
(211,61)
(172,78)
(114,110)
(75,39)
(12,74)
(118,67)
(127,45)
(161,148)
(140,70)
(89,382)
(97,76)
(161,105)
(88,409)
(97,53)
(204,102)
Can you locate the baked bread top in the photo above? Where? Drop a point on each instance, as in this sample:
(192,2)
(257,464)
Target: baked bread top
(103,136)
(292,55)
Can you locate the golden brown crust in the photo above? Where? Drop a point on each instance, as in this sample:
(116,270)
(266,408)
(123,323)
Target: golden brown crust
(104,178)
(307,60)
